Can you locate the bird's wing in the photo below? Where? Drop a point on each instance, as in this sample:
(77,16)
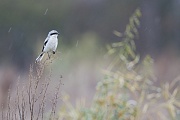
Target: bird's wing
(45,42)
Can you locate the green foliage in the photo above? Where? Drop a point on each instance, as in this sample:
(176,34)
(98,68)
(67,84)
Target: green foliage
(127,91)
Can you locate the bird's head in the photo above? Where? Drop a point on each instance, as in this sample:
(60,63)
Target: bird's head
(53,32)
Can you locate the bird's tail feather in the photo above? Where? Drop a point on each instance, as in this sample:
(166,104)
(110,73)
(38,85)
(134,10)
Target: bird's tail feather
(39,58)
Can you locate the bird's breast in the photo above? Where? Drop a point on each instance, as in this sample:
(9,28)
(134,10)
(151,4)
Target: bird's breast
(51,45)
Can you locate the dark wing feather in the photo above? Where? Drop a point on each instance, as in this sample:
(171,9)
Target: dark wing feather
(45,42)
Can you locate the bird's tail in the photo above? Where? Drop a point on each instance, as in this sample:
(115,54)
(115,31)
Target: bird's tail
(39,58)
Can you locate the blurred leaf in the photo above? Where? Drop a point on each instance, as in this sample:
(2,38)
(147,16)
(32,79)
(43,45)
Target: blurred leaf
(130,51)
(138,12)
(136,20)
(115,32)
(133,46)
(111,51)
(118,44)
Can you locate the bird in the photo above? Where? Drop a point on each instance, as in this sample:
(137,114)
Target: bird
(50,45)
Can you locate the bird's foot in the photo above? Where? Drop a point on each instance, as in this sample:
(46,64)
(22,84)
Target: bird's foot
(48,55)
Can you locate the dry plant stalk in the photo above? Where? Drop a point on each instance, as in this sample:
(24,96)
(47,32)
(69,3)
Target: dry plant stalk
(29,99)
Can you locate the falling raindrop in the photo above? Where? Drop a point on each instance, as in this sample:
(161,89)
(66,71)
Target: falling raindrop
(9,30)
(46,11)
(77,43)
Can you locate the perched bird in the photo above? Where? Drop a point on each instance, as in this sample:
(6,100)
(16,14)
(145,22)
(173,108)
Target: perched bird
(50,45)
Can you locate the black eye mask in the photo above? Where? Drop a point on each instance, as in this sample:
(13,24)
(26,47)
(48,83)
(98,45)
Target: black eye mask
(54,33)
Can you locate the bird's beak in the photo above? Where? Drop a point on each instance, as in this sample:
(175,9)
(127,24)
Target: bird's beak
(58,33)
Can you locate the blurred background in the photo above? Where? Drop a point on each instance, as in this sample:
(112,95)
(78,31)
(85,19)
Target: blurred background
(86,27)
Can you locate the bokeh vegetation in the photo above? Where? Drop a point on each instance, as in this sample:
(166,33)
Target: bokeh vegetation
(127,91)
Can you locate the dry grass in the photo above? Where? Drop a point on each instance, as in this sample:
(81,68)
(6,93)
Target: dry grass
(32,99)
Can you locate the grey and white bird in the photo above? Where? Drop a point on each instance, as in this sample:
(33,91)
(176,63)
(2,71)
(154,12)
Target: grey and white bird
(50,45)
